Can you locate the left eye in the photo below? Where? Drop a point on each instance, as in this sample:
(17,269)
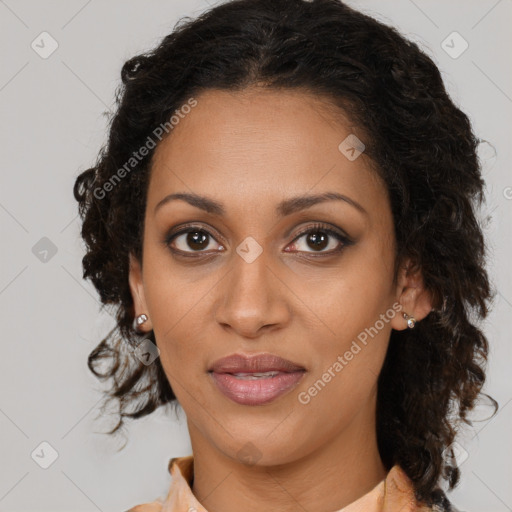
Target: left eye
(319,239)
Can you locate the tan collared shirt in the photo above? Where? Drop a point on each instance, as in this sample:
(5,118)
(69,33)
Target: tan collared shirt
(393,494)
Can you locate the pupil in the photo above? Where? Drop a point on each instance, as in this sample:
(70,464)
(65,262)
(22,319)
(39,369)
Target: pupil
(195,239)
(318,240)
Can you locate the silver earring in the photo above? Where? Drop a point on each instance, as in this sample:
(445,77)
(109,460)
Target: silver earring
(140,320)
(411,321)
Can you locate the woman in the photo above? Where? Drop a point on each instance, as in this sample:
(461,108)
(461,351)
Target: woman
(284,218)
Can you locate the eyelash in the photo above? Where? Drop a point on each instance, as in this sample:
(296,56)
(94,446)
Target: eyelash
(318,227)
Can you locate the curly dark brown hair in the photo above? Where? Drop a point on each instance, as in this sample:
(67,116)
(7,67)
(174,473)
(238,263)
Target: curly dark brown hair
(420,143)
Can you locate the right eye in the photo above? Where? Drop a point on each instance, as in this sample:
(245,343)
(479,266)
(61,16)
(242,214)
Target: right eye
(192,240)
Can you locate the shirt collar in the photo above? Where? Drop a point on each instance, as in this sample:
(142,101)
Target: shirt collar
(394,493)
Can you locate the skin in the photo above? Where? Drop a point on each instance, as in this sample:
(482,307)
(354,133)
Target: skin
(249,151)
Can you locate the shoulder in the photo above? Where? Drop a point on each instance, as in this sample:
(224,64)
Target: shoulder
(445,506)
(400,491)
(179,494)
(154,506)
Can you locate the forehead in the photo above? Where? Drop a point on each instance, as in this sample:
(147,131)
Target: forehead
(258,144)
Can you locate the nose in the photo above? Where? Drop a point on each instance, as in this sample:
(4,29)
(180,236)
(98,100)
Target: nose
(252,299)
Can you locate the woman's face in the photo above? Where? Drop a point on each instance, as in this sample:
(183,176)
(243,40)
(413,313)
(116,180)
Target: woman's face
(244,278)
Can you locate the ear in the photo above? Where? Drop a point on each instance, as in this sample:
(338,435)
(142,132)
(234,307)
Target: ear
(137,291)
(416,301)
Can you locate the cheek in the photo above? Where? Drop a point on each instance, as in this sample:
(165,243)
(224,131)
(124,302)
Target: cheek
(349,358)
(176,312)
(352,321)
(334,398)
(350,296)
(349,353)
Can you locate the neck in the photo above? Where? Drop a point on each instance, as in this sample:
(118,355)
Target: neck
(329,478)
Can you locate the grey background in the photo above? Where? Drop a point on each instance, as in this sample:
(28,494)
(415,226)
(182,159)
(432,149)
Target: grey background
(52,126)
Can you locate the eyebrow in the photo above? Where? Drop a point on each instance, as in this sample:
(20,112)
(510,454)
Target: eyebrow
(286,207)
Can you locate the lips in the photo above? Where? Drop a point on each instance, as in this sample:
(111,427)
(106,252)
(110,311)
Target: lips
(255,380)
(259,363)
